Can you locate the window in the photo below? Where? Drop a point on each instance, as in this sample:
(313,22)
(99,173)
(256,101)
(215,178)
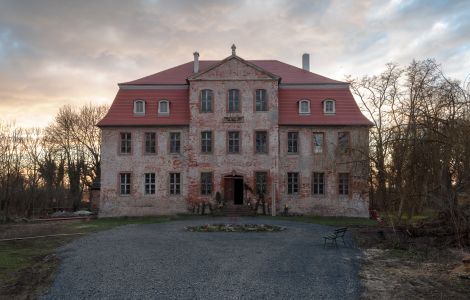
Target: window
(125,183)
(150,142)
(175,183)
(318,183)
(163,107)
(149,186)
(233,142)
(343,141)
(304,107)
(261,183)
(343,183)
(261,141)
(175,142)
(261,101)
(206,141)
(206,183)
(233,101)
(126,142)
(139,107)
(292,142)
(292,183)
(329,106)
(206,101)
(318,140)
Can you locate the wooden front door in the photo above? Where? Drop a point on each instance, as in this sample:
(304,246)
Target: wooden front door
(233,190)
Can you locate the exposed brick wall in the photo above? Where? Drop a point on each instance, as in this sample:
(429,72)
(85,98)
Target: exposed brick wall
(331,162)
(138,163)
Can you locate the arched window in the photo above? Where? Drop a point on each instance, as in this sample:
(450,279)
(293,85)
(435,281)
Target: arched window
(206,101)
(329,106)
(139,107)
(164,107)
(304,107)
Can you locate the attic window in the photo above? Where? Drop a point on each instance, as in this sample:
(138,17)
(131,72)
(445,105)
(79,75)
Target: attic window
(139,107)
(304,107)
(329,106)
(163,107)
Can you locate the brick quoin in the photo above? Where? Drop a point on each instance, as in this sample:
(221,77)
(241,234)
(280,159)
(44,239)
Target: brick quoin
(285,86)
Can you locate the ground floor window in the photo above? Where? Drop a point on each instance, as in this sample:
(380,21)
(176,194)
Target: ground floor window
(343,183)
(292,183)
(318,183)
(125,183)
(175,183)
(261,183)
(149,183)
(206,183)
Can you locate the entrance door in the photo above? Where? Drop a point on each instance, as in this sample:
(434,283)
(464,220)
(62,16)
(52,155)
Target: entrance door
(233,189)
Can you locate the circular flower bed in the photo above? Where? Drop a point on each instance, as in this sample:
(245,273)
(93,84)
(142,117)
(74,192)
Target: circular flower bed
(235,228)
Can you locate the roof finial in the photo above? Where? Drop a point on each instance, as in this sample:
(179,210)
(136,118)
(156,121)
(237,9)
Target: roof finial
(233,49)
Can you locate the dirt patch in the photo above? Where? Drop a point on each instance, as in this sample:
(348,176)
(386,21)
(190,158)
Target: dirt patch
(419,271)
(32,281)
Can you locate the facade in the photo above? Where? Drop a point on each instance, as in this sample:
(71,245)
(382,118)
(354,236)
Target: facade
(242,128)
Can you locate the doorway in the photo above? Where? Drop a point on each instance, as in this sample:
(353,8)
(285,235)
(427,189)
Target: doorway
(233,189)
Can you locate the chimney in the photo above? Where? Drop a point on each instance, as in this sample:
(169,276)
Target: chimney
(306,62)
(196,62)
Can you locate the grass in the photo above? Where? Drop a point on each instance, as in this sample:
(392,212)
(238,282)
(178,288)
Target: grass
(331,221)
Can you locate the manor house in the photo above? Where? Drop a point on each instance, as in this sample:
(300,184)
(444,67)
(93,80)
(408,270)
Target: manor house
(243,128)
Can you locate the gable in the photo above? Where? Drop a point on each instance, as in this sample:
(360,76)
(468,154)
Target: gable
(234,68)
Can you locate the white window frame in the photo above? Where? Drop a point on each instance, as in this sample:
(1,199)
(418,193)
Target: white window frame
(160,112)
(300,107)
(125,184)
(333,106)
(140,113)
(150,185)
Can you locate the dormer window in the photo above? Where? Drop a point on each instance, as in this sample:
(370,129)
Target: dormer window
(139,107)
(163,107)
(329,106)
(304,107)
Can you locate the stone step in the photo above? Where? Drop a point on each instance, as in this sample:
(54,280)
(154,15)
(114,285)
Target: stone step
(233,210)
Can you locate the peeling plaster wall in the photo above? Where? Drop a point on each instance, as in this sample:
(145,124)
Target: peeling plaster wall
(247,80)
(331,162)
(234,74)
(138,163)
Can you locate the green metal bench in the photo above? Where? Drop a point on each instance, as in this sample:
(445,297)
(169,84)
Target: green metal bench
(338,233)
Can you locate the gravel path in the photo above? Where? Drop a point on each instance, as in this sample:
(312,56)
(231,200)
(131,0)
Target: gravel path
(163,261)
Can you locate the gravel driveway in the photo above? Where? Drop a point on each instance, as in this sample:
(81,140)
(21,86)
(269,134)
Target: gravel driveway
(163,261)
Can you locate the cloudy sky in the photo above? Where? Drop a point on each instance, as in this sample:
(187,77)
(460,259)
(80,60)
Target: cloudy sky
(75,52)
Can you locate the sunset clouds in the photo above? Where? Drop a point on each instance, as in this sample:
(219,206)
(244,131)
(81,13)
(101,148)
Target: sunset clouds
(58,52)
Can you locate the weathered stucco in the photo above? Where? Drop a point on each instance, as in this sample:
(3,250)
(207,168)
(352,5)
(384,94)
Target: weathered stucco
(331,162)
(234,74)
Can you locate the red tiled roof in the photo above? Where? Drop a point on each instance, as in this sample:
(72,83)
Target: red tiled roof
(347,111)
(121,112)
(288,73)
